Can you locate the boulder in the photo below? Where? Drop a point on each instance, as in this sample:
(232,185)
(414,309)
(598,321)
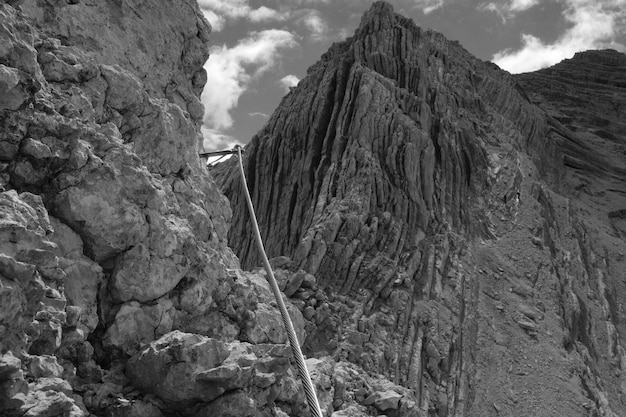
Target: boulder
(13,387)
(183,369)
(44,366)
(386,400)
(12,96)
(136,325)
(168,367)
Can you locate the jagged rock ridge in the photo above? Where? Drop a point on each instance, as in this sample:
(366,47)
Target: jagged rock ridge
(432,195)
(426,81)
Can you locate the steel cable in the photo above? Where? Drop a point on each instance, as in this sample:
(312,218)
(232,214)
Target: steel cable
(309,388)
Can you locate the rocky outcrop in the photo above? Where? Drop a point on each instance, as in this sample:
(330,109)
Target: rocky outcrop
(432,196)
(113,235)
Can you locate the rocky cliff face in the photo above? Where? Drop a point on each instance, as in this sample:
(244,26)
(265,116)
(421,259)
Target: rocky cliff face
(118,293)
(464,226)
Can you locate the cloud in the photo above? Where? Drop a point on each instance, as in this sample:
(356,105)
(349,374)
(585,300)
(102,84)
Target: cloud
(240,9)
(214,140)
(258,114)
(230,72)
(316,24)
(428,6)
(297,3)
(308,2)
(509,8)
(595,25)
(344,33)
(521,5)
(217,22)
(289,81)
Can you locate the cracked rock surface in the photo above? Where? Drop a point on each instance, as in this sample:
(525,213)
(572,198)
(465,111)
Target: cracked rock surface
(448,237)
(463,225)
(113,233)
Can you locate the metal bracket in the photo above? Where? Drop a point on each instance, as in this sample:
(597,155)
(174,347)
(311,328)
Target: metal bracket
(221,154)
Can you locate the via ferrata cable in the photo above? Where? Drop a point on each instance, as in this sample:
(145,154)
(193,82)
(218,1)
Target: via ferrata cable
(309,388)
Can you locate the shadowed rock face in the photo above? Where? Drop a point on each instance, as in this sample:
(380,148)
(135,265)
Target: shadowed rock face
(586,99)
(419,185)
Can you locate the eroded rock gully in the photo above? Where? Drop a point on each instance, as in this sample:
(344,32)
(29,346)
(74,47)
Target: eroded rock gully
(449,237)
(464,225)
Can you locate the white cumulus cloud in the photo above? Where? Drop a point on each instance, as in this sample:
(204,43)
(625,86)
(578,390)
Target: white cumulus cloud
(295,4)
(428,6)
(316,24)
(510,8)
(241,9)
(214,140)
(230,72)
(289,81)
(595,25)
(217,22)
(520,5)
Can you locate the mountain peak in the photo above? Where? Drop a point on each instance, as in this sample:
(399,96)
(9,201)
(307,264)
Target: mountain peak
(379,8)
(381,15)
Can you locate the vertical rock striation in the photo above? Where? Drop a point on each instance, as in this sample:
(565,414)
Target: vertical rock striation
(431,195)
(394,120)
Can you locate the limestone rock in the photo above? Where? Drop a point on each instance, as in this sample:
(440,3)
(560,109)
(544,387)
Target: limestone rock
(352,411)
(408,182)
(12,95)
(380,176)
(112,147)
(44,366)
(105,206)
(13,387)
(137,324)
(53,384)
(108,222)
(168,367)
(124,90)
(138,408)
(180,57)
(411,180)
(385,401)
(183,369)
(294,283)
(50,403)
(582,125)
(267,327)
(232,405)
(24,253)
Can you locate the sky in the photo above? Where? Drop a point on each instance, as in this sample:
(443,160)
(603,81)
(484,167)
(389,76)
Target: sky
(259,49)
